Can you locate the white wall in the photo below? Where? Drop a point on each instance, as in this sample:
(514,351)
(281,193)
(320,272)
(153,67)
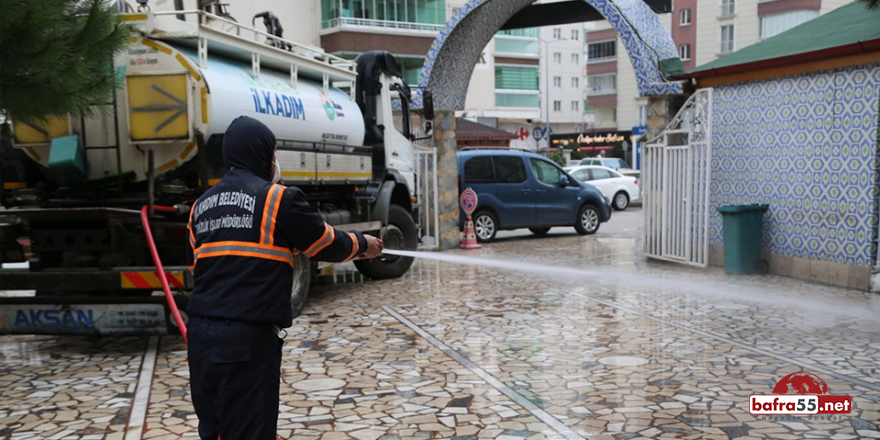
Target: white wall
(481,89)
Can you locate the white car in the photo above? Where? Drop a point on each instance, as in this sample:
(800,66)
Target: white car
(614,163)
(620,190)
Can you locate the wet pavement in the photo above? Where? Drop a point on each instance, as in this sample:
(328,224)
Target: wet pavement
(575,337)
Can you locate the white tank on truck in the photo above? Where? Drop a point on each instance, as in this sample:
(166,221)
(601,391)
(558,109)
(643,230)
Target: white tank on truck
(73,186)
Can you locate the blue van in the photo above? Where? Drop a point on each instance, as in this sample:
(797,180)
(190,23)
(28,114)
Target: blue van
(520,189)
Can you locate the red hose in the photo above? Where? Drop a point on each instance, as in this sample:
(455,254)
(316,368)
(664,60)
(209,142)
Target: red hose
(159,268)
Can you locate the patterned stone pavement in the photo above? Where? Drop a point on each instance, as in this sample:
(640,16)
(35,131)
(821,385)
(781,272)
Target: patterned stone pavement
(573,337)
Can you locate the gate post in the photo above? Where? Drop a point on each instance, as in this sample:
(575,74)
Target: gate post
(447,174)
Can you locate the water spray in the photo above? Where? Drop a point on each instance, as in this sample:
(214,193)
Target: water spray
(604,275)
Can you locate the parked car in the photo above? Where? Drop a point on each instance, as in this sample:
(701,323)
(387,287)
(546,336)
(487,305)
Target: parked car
(520,189)
(614,163)
(617,188)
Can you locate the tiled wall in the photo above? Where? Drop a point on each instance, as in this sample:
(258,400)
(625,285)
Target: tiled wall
(808,146)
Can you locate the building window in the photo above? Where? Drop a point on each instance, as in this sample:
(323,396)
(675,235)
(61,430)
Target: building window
(589,109)
(574,106)
(516,78)
(403,14)
(725,40)
(575,58)
(516,86)
(614,114)
(602,84)
(512,99)
(778,23)
(557,81)
(643,115)
(515,45)
(726,8)
(602,51)
(684,52)
(684,17)
(557,106)
(524,32)
(575,35)
(557,33)
(575,82)
(557,57)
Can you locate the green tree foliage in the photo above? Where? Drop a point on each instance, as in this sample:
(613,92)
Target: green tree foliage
(871,4)
(56,56)
(557,156)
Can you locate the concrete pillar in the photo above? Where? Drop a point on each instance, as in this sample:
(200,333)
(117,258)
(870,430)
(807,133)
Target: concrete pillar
(660,113)
(447,174)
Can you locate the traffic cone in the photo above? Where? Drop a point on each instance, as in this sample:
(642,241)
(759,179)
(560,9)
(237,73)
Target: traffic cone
(470,237)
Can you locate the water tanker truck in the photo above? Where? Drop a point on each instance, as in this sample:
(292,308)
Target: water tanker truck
(74,188)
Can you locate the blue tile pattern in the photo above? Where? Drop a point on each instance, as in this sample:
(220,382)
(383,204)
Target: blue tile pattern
(808,146)
(646,41)
(451,59)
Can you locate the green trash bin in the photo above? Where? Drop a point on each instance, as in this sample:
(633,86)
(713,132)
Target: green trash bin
(742,225)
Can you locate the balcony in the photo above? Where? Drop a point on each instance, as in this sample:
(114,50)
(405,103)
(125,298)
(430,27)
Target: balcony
(386,24)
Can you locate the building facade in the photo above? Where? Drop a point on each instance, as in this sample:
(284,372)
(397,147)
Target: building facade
(703,31)
(795,126)
(529,65)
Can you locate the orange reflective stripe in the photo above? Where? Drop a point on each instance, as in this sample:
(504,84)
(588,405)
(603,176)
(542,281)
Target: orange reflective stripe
(192,237)
(243,249)
(263,249)
(355,246)
(278,191)
(270,210)
(222,253)
(265,221)
(321,243)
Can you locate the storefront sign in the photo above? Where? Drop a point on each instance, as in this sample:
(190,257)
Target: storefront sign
(572,140)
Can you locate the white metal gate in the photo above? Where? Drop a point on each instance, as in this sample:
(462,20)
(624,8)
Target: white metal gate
(426,193)
(675,175)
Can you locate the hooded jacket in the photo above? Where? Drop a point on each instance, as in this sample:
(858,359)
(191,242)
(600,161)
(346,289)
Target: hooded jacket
(245,230)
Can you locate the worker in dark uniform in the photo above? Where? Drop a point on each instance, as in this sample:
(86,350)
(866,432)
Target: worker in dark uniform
(244,232)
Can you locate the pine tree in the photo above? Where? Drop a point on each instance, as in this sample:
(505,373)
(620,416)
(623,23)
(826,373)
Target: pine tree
(56,56)
(871,4)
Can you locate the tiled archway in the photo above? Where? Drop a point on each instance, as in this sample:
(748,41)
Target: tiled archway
(450,62)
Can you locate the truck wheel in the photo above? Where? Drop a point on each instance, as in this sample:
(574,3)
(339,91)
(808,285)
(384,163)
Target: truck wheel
(401,234)
(302,279)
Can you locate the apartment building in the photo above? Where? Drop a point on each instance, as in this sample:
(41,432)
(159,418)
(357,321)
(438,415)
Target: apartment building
(522,67)
(702,31)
